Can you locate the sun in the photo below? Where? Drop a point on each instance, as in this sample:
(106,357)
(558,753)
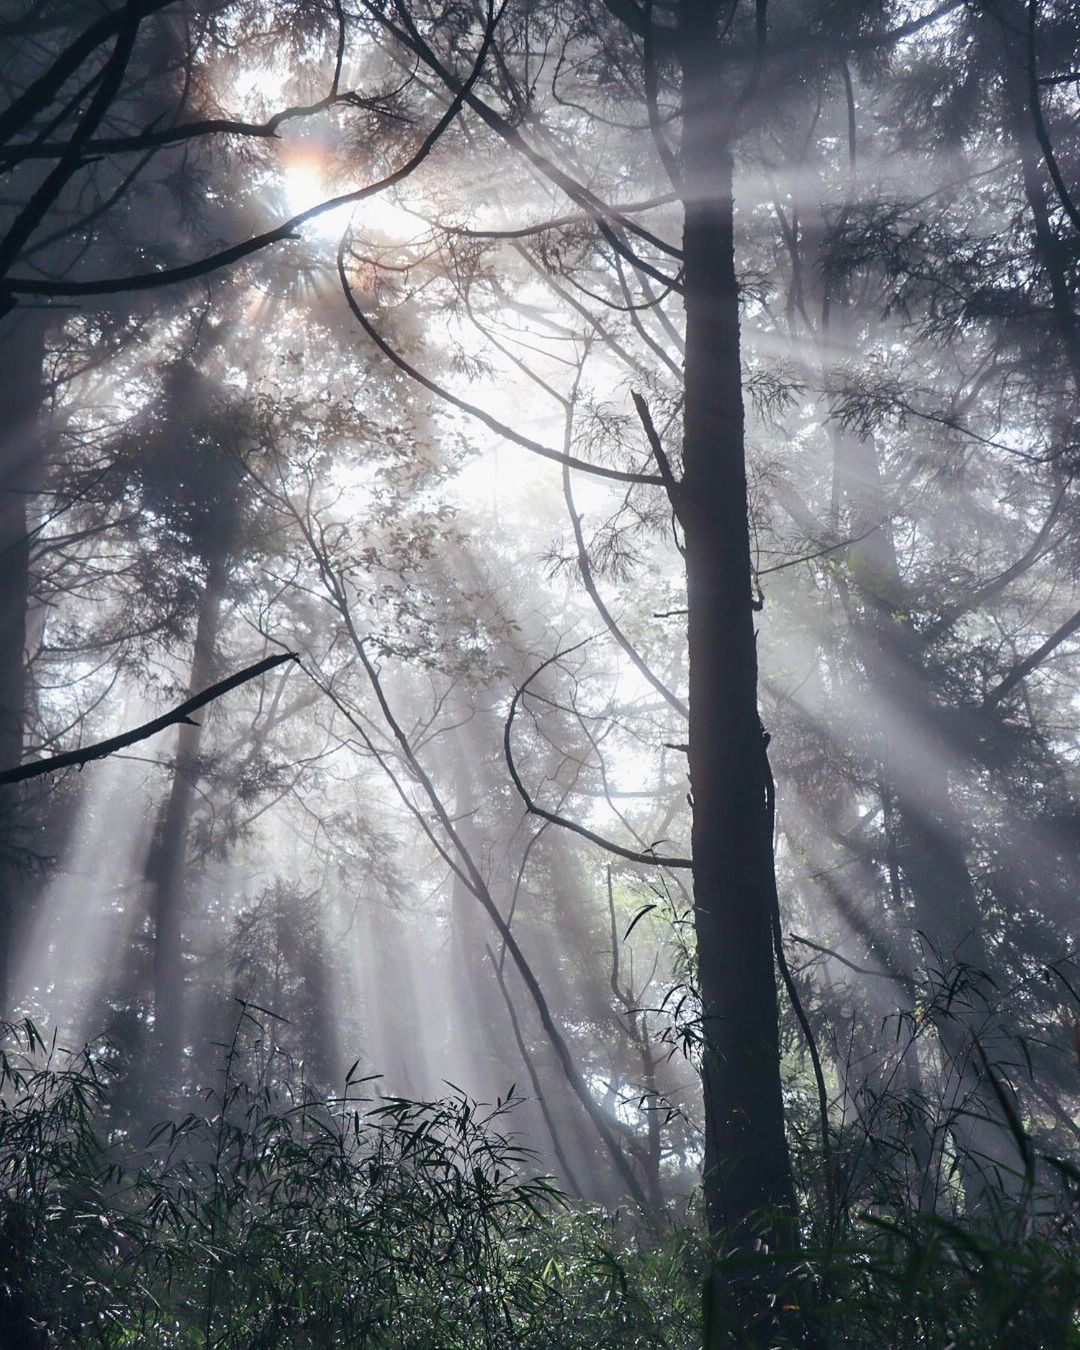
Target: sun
(307,180)
(305,184)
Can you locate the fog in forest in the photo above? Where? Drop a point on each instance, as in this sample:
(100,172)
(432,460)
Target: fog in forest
(609,468)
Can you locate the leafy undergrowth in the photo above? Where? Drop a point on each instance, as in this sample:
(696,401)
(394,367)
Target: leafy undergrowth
(279,1219)
(276,1218)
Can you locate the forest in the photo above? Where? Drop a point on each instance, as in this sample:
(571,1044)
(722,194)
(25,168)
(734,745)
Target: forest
(539,705)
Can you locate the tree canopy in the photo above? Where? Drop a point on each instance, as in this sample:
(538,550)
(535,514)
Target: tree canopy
(548,533)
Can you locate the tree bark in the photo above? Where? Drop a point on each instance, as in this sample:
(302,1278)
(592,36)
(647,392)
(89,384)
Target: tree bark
(747,1180)
(21,394)
(1051,251)
(166,866)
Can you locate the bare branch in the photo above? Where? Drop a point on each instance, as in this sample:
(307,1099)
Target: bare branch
(657,448)
(38,96)
(1024,668)
(587,577)
(181,715)
(225,257)
(500,428)
(649,857)
(603,215)
(151,139)
(1042,135)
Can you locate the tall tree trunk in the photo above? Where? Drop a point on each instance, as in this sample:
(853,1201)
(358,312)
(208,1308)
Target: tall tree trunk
(21,394)
(319,1034)
(909,739)
(166,867)
(1051,250)
(747,1171)
(475,1055)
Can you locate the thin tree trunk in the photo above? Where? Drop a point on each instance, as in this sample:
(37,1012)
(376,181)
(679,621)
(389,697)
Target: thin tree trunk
(561,1156)
(1052,252)
(21,394)
(166,867)
(926,848)
(475,1052)
(319,1034)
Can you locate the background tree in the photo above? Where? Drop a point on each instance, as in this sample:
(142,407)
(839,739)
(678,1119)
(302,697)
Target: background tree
(627,351)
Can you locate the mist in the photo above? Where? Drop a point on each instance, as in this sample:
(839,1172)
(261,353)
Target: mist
(564,517)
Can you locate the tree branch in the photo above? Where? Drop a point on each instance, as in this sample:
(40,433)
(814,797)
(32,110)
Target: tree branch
(152,139)
(631,855)
(500,428)
(182,714)
(589,580)
(39,94)
(1025,667)
(656,445)
(1042,135)
(603,215)
(215,261)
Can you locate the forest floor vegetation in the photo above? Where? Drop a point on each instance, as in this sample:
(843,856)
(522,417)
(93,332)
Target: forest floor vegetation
(274,1215)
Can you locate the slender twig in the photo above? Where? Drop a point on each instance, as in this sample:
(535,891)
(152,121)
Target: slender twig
(851,965)
(165,137)
(589,580)
(631,855)
(603,215)
(657,447)
(500,428)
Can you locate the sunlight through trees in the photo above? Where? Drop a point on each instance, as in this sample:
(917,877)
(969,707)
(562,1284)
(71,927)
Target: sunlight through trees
(538,561)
